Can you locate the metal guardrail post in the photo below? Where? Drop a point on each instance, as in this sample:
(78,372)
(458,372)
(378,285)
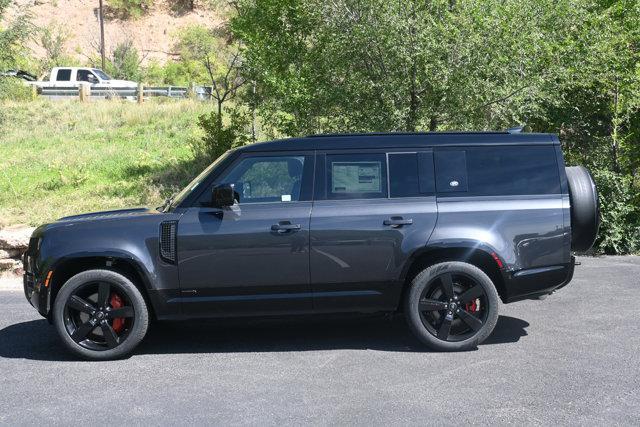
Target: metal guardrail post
(140,93)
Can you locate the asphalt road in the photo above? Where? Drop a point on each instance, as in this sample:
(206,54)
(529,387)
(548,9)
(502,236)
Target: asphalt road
(570,359)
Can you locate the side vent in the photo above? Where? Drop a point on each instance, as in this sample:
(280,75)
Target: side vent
(168,241)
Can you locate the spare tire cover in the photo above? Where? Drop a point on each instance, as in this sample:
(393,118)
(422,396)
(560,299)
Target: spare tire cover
(585,208)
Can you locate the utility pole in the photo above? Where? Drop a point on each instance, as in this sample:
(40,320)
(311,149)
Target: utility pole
(101,17)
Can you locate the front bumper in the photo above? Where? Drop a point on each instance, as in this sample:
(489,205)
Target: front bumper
(34,290)
(535,282)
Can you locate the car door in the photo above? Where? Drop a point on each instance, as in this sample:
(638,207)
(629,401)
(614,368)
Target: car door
(253,257)
(371,212)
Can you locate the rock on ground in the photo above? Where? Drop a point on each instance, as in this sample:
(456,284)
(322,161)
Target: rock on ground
(15,237)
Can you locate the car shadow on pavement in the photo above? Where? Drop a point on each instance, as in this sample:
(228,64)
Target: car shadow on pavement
(37,340)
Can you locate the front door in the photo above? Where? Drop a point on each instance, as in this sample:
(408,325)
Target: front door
(251,258)
(371,212)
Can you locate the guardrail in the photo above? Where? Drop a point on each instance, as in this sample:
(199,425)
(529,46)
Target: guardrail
(87,92)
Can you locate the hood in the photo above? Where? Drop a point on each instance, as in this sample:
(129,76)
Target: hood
(120,213)
(121,83)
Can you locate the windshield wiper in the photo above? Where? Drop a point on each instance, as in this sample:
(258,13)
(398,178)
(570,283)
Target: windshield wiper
(166,204)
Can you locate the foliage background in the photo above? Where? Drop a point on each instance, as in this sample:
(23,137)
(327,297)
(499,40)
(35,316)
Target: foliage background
(294,67)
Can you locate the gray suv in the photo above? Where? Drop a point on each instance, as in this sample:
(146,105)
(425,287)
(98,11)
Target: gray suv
(439,226)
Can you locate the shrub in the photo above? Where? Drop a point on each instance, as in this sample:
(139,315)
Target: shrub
(620,210)
(124,62)
(128,8)
(12,88)
(220,137)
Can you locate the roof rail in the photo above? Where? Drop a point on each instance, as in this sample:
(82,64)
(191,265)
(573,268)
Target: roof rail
(333,135)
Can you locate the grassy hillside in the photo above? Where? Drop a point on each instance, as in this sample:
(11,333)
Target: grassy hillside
(60,158)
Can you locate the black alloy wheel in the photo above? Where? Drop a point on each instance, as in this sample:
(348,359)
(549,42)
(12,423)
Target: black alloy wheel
(99,316)
(452,306)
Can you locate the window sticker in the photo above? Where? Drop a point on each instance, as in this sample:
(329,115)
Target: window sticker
(356,177)
(286,197)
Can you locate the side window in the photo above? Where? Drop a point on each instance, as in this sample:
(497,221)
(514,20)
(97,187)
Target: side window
(86,76)
(262,179)
(356,176)
(512,170)
(497,171)
(64,75)
(451,171)
(411,174)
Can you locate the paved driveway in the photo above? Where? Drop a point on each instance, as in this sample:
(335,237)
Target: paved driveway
(571,359)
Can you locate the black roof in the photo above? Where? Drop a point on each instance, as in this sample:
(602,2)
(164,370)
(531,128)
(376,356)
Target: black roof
(403,140)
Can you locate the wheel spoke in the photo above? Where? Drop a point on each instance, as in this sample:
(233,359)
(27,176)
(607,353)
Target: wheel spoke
(82,331)
(471,294)
(80,304)
(103,294)
(110,335)
(472,321)
(120,312)
(447,284)
(445,327)
(431,305)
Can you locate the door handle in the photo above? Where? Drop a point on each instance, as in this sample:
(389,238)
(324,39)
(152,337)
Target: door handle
(397,221)
(285,227)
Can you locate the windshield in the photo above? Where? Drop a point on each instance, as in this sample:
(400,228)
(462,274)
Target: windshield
(196,182)
(101,74)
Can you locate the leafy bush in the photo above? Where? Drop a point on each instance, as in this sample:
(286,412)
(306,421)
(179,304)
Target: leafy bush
(220,137)
(124,62)
(12,88)
(128,8)
(620,210)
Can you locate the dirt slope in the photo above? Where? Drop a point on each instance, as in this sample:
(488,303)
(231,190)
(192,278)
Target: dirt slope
(152,34)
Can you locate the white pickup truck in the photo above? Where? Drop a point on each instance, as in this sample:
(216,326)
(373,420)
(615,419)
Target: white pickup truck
(74,76)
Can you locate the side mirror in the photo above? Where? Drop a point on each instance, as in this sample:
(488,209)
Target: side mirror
(222,195)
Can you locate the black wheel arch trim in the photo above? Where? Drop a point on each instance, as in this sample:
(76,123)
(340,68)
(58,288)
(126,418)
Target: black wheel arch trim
(47,298)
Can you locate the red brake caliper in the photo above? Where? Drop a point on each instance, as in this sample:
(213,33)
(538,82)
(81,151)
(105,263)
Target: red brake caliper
(118,322)
(471,306)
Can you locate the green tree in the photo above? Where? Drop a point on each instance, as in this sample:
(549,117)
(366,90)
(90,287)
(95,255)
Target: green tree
(13,34)
(217,58)
(566,66)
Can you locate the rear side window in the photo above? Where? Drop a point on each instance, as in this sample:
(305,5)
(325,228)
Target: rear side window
(356,176)
(496,171)
(64,75)
(411,174)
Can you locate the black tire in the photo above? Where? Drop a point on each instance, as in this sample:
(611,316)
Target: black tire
(429,306)
(85,317)
(585,208)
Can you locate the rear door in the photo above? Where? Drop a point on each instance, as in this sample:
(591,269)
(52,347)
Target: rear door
(371,211)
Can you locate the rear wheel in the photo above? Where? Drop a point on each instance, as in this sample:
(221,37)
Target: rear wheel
(452,306)
(100,315)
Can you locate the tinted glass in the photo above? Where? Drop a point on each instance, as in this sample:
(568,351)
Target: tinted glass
(356,176)
(512,170)
(403,175)
(451,171)
(267,179)
(63,75)
(496,171)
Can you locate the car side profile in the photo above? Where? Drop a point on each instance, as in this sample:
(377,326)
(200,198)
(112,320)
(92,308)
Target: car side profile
(439,226)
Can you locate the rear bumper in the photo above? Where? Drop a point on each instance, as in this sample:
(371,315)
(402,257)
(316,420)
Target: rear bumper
(535,282)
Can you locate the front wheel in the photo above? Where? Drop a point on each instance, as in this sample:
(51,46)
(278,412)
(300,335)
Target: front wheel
(452,306)
(100,315)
